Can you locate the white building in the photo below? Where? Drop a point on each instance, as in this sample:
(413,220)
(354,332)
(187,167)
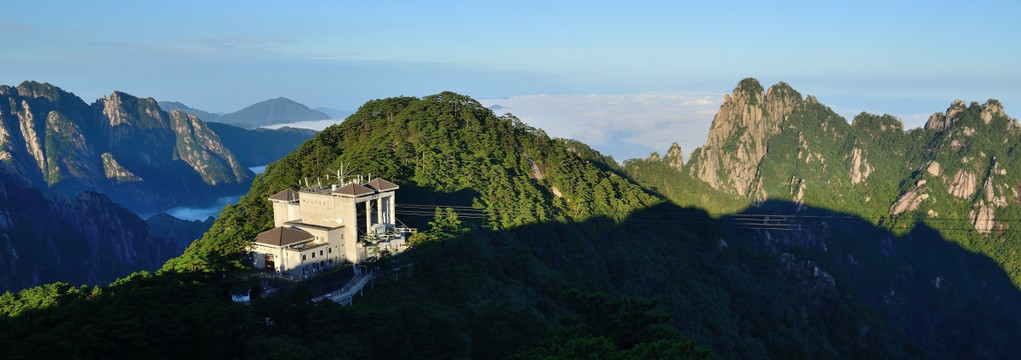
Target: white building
(318,228)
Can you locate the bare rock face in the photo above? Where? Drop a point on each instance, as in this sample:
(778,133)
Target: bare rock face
(992,108)
(114,171)
(201,148)
(963,185)
(934,169)
(910,200)
(860,168)
(675,156)
(983,218)
(33,141)
(941,121)
(737,137)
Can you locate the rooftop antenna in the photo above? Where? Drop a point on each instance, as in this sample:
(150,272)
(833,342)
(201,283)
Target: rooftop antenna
(343,173)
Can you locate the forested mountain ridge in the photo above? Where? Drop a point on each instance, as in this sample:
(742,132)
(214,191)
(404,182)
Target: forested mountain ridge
(122,146)
(552,251)
(445,143)
(958,174)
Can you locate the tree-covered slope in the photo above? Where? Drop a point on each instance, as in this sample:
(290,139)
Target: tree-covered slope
(549,219)
(442,144)
(544,250)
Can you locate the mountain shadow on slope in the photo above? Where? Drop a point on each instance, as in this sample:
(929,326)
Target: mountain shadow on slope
(946,300)
(821,285)
(548,220)
(87,239)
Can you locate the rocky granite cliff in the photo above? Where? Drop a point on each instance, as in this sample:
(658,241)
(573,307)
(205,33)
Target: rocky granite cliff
(739,132)
(126,147)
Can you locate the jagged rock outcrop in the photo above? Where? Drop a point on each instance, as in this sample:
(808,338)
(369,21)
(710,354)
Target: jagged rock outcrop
(122,146)
(991,109)
(675,156)
(860,168)
(941,121)
(983,219)
(963,184)
(910,200)
(934,169)
(739,132)
(114,171)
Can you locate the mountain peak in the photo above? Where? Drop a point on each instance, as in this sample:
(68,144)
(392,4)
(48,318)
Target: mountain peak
(738,134)
(782,90)
(280,110)
(33,89)
(123,108)
(992,108)
(675,156)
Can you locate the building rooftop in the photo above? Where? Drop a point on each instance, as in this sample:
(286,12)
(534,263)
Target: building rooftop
(285,195)
(282,236)
(353,190)
(381,185)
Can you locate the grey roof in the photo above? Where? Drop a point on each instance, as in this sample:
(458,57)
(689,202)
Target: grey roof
(285,195)
(282,236)
(382,185)
(354,190)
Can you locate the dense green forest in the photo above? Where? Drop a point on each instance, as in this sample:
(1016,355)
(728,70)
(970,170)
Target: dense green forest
(543,249)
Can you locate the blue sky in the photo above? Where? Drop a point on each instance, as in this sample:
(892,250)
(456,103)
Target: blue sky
(902,58)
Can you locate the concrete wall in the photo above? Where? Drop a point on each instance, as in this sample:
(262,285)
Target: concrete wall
(284,212)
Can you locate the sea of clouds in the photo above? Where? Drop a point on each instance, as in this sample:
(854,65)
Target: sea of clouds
(625,126)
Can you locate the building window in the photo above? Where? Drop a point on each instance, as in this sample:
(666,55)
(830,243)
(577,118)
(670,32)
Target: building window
(302,257)
(331,250)
(313,254)
(320,253)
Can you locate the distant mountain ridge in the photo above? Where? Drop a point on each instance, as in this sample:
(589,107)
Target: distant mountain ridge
(271,112)
(257,147)
(173,105)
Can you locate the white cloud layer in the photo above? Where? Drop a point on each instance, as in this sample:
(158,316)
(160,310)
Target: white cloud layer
(625,126)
